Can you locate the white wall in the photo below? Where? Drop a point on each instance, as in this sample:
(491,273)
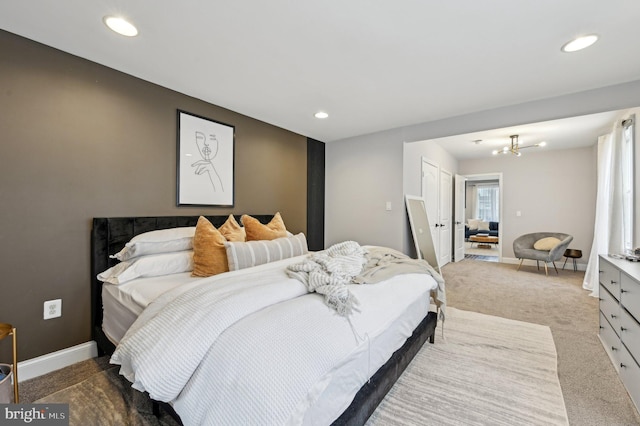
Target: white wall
(554,191)
(360,180)
(364,172)
(412,173)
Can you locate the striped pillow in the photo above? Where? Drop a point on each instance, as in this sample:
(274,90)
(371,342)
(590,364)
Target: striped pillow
(242,255)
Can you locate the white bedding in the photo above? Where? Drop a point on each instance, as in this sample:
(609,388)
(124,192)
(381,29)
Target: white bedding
(256,348)
(122,304)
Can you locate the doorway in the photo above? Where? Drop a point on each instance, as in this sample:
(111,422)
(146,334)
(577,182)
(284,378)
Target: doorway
(483,217)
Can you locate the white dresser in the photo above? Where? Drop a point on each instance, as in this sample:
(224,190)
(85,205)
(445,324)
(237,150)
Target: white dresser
(620,319)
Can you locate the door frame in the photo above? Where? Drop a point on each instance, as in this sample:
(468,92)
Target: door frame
(459,207)
(499,177)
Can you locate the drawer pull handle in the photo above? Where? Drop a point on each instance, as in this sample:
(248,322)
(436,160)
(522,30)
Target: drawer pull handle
(613,348)
(600,299)
(623,290)
(600,271)
(613,282)
(623,329)
(614,316)
(601,327)
(622,365)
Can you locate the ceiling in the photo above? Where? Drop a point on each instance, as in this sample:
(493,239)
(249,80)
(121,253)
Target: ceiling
(371,64)
(568,133)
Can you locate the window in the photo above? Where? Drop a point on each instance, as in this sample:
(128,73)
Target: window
(627,155)
(487,202)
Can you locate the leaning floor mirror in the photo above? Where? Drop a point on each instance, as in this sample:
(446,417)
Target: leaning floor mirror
(421,231)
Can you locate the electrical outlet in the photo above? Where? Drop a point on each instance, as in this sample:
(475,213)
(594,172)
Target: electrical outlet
(52,309)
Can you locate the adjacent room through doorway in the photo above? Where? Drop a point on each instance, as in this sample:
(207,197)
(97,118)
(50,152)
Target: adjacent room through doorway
(482,217)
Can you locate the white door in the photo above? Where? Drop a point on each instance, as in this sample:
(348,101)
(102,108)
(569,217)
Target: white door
(430,189)
(446,237)
(458,218)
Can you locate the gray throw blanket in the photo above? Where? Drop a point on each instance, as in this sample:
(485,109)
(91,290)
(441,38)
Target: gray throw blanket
(383,263)
(329,272)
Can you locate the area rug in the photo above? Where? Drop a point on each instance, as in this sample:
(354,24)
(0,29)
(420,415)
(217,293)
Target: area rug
(485,371)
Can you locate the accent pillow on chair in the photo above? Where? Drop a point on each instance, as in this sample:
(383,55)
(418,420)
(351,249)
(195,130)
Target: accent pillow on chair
(546,244)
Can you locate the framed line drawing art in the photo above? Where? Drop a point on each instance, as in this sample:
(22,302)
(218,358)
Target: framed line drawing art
(205,161)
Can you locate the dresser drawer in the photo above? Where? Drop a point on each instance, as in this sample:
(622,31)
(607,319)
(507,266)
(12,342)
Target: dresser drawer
(610,308)
(610,341)
(630,375)
(630,333)
(610,278)
(630,295)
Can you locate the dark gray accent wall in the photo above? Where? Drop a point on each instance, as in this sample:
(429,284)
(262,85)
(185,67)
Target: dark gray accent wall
(79,140)
(315,194)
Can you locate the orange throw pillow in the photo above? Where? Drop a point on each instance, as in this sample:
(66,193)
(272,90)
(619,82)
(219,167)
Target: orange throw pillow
(232,230)
(209,252)
(257,231)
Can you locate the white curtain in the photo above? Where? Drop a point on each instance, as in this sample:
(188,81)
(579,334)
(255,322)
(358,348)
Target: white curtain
(609,223)
(472,197)
(487,205)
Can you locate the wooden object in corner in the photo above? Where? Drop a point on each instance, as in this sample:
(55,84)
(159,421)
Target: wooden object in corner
(9,330)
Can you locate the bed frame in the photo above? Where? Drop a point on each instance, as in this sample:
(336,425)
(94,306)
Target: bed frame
(109,235)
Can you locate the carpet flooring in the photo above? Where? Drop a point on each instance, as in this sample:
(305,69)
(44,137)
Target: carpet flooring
(483,370)
(593,393)
(486,371)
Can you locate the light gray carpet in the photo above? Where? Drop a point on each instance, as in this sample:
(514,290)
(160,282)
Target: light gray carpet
(592,391)
(486,371)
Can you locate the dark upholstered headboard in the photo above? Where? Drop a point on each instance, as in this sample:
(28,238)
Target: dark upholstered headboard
(110,234)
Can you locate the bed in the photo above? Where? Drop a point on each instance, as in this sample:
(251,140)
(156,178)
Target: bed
(109,235)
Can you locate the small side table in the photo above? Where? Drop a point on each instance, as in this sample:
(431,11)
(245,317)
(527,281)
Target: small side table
(6,330)
(572,254)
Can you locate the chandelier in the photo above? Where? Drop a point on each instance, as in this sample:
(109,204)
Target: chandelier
(515,147)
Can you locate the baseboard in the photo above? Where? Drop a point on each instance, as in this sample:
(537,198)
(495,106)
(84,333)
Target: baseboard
(528,262)
(44,364)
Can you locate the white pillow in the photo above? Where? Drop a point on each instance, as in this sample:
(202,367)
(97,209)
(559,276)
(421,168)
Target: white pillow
(473,224)
(242,255)
(483,226)
(160,241)
(149,266)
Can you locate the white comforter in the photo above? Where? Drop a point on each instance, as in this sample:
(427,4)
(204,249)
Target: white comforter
(253,347)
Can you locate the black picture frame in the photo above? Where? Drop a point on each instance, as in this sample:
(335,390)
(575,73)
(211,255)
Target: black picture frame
(205,161)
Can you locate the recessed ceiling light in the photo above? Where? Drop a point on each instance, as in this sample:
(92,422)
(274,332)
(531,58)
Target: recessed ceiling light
(580,43)
(321,114)
(121,26)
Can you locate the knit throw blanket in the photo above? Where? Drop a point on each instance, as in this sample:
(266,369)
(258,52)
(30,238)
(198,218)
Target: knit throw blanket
(329,272)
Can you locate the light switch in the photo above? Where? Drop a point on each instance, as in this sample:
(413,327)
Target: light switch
(518,213)
(388,206)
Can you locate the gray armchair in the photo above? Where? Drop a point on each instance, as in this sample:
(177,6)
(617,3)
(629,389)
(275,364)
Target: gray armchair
(523,248)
